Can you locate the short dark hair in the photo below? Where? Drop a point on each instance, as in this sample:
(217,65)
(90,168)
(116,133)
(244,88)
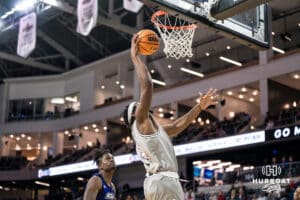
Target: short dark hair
(99,154)
(125,116)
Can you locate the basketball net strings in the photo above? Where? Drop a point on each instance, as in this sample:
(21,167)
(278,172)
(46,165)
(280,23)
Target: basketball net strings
(178,41)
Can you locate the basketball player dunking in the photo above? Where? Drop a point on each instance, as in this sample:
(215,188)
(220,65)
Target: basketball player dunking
(100,187)
(153,144)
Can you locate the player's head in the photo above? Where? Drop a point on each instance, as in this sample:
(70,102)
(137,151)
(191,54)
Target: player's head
(105,160)
(128,113)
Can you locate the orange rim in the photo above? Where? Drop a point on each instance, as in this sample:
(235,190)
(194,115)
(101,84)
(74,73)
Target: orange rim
(162,13)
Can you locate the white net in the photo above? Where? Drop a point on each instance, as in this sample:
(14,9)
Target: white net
(177,38)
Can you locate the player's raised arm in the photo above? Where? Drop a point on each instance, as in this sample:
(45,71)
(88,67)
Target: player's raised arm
(145,81)
(210,98)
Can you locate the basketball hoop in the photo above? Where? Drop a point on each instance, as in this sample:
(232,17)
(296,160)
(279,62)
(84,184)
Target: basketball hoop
(176,33)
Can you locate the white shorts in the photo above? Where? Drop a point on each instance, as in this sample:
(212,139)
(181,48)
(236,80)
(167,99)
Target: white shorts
(161,187)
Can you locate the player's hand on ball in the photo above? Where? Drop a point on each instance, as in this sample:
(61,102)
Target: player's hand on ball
(134,50)
(210,98)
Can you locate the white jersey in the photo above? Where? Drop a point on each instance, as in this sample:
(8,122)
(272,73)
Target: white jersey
(156,150)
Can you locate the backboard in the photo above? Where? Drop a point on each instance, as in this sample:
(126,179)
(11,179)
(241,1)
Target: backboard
(250,28)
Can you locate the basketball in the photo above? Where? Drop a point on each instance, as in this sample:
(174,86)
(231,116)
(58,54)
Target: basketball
(147,42)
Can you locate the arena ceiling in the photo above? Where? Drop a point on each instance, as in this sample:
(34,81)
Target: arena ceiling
(60,48)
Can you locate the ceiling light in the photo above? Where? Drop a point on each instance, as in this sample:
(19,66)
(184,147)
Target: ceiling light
(212,162)
(255,92)
(102,86)
(161,115)
(85,127)
(94,125)
(286,106)
(4,16)
(57,101)
(18,138)
(172,118)
(152,71)
(231,114)
(241,96)
(18,148)
(187,60)
(231,61)
(199,119)
(294,104)
(23,135)
(244,89)
(11,136)
(278,50)
(70,99)
(169,66)
(191,72)
(117,82)
(89,143)
(228,47)
(229,93)
(105,128)
(207,121)
(159,82)
(251,99)
(28,138)
(122,86)
(28,147)
(207,54)
(97,130)
(24,5)
(160,110)
(296,76)
(66,132)
(42,183)
(286,36)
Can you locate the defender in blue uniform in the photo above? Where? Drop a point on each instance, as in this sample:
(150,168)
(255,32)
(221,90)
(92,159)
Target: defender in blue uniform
(100,187)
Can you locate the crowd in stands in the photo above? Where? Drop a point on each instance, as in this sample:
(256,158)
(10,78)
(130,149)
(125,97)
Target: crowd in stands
(197,131)
(284,117)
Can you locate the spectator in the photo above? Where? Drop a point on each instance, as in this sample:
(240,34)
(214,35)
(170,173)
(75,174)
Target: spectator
(242,194)
(221,195)
(270,124)
(233,195)
(129,197)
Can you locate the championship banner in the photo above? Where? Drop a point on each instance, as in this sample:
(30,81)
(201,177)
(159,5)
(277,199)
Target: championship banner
(27,35)
(132,5)
(87,15)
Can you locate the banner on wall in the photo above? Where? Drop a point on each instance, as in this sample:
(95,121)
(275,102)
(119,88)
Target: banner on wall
(282,133)
(87,15)
(27,35)
(180,150)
